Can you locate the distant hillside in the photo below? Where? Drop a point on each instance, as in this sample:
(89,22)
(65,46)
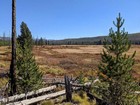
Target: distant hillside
(134,38)
(4,38)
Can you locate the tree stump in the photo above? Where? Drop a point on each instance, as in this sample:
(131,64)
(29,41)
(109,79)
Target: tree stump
(68,89)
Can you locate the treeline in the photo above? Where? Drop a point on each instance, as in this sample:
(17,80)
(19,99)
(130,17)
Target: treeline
(5,41)
(75,42)
(67,42)
(134,38)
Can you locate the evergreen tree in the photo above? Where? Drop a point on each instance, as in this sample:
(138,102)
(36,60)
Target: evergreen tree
(36,41)
(25,34)
(116,68)
(41,41)
(29,76)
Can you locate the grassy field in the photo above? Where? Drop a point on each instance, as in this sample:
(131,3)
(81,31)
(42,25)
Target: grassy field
(71,60)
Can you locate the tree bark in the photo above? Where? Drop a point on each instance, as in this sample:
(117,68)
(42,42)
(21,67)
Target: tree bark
(68,89)
(13,60)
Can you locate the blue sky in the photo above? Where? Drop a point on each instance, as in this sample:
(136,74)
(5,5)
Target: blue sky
(60,19)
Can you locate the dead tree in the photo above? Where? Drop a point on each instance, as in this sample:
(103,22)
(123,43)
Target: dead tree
(68,89)
(13,60)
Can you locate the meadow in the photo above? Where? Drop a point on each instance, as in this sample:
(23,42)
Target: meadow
(58,60)
(71,60)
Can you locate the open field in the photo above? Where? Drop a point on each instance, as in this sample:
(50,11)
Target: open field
(60,60)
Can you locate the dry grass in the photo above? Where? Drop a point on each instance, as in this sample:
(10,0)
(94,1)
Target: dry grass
(52,70)
(5,57)
(94,49)
(78,58)
(3,82)
(71,60)
(67,59)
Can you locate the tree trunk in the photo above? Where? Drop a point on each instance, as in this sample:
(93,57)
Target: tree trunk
(68,89)
(13,60)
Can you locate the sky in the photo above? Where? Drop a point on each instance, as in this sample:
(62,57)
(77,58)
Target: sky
(62,19)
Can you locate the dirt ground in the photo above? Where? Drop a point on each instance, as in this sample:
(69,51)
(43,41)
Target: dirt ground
(60,60)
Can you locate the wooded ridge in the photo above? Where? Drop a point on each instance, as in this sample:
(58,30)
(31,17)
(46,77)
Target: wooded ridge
(134,38)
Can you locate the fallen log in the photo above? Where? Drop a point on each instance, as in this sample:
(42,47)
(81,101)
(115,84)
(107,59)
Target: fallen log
(137,92)
(74,84)
(38,99)
(32,93)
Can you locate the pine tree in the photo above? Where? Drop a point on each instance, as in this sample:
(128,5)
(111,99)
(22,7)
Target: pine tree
(25,34)
(116,68)
(41,41)
(29,76)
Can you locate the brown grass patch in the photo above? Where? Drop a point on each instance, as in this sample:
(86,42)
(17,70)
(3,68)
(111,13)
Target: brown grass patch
(69,58)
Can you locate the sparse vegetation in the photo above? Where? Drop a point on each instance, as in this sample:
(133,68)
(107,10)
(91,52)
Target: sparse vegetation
(55,71)
(79,98)
(85,60)
(49,102)
(3,82)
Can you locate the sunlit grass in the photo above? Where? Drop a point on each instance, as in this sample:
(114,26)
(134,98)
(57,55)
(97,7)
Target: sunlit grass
(82,99)
(86,60)
(3,82)
(52,70)
(139,99)
(48,102)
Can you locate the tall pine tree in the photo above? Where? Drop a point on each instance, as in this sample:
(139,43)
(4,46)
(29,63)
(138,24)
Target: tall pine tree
(25,37)
(29,76)
(116,69)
